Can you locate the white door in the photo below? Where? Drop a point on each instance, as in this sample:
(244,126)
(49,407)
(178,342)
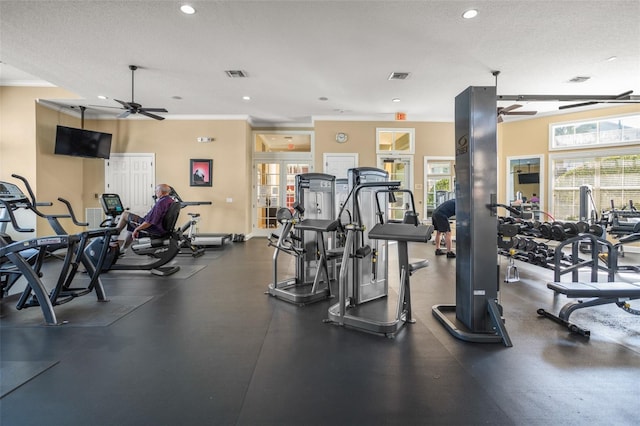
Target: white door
(132,176)
(338,164)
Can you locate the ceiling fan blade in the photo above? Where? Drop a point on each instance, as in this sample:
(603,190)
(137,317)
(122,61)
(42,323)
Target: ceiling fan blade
(124,114)
(148,114)
(154,109)
(123,103)
(511,108)
(104,106)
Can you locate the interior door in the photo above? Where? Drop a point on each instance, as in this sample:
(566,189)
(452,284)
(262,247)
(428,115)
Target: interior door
(337,164)
(399,169)
(132,176)
(274,188)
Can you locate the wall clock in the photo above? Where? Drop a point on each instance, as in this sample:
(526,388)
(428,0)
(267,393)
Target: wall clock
(341,137)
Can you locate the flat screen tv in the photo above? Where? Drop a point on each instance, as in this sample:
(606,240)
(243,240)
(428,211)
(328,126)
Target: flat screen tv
(82,143)
(524,178)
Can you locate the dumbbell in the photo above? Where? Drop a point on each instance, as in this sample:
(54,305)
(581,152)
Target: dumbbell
(545,230)
(596,230)
(583,227)
(522,244)
(531,245)
(562,230)
(514,242)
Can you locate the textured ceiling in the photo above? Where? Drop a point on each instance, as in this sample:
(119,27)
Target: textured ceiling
(297,52)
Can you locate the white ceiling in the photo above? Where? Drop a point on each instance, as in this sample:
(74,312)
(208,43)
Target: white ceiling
(296,52)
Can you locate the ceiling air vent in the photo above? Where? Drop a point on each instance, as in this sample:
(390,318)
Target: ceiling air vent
(398,75)
(579,79)
(236,73)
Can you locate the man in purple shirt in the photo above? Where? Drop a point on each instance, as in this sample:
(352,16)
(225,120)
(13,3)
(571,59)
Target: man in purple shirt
(152,222)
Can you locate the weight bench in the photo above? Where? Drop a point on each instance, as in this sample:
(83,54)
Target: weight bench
(597,294)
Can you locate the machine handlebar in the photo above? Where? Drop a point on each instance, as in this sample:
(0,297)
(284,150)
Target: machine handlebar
(71,213)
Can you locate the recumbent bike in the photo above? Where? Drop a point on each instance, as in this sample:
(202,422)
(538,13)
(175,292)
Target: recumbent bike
(161,248)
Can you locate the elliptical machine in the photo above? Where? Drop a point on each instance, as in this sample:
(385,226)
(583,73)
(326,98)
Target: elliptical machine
(163,249)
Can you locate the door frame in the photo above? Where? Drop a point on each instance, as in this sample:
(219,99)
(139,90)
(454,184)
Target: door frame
(509,177)
(425,179)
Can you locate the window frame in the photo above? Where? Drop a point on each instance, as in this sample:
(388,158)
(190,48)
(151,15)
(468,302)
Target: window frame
(412,140)
(598,143)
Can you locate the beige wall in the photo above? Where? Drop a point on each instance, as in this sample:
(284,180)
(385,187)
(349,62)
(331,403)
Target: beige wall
(174,143)
(18,128)
(27,134)
(22,145)
(432,139)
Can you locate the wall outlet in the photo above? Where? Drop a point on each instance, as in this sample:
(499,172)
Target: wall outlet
(229,200)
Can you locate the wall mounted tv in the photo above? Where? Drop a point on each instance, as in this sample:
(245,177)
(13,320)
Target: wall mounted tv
(524,178)
(82,143)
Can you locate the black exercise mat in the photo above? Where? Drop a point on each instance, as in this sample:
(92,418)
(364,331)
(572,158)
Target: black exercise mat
(14,374)
(84,311)
(186,271)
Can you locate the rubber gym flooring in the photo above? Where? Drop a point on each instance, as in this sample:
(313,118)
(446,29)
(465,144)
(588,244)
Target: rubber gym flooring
(209,347)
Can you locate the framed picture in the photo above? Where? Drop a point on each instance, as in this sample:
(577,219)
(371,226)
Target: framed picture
(201,172)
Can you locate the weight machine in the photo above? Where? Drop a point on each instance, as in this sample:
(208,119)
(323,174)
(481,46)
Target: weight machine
(306,235)
(364,280)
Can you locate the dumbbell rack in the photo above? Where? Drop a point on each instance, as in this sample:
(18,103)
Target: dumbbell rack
(598,246)
(524,244)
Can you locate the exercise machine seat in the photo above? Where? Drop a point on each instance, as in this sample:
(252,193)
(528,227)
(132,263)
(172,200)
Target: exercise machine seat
(168,223)
(587,290)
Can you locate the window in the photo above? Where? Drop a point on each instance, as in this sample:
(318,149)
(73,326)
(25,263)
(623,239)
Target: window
(395,141)
(613,177)
(609,131)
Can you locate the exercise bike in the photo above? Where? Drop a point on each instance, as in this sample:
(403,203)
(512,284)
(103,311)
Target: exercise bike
(162,249)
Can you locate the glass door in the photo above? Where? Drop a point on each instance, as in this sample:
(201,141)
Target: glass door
(399,169)
(274,188)
(439,182)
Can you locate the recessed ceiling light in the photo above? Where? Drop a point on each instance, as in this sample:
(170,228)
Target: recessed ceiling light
(187,9)
(612,58)
(246,98)
(395,100)
(469,14)
(102,97)
(323,98)
(176,97)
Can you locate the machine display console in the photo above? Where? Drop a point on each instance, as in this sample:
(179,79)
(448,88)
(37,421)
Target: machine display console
(10,192)
(111,204)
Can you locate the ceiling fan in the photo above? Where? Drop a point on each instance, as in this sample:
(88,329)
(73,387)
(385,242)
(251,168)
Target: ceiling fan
(135,108)
(510,109)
